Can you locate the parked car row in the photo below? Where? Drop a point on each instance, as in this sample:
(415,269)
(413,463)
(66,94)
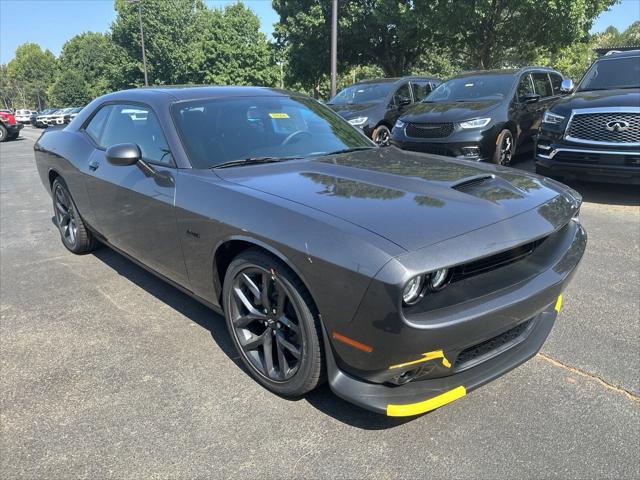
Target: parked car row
(56,116)
(592,130)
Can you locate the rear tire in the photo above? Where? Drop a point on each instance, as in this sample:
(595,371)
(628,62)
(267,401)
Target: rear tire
(3,133)
(75,235)
(273,324)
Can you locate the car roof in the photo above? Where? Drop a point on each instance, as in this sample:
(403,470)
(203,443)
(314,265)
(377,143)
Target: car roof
(394,79)
(628,53)
(194,92)
(503,71)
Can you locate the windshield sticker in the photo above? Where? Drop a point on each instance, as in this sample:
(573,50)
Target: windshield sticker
(278,115)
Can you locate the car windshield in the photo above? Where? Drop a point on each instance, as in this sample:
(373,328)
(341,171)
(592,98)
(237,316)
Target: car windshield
(219,131)
(469,89)
(610,73)
(362,93)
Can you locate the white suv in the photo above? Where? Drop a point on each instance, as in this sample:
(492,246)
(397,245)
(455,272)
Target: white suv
(24,116)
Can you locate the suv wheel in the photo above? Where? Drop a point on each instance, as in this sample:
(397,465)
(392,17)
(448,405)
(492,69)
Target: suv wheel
(382,135)
(3,133)
(505,148)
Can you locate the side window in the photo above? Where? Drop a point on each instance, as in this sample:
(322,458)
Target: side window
(139,125)
(556,82)
(525,87)
(97,123)
(420,90)
(542,84)
(402,96)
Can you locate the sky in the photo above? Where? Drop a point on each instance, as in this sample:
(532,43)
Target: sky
(52,22)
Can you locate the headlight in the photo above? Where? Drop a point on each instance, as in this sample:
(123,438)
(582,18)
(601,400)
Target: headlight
(475,123)
(552,118)
(358,121)
(413,290)
(399,124)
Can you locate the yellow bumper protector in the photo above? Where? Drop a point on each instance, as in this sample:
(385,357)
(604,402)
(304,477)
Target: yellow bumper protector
(425,358)
(558,304)
(426,406)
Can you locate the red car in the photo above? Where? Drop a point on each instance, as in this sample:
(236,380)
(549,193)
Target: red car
(9,128)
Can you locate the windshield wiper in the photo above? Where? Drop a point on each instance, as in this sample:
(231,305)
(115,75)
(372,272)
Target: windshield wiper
(253,161)
(347,150)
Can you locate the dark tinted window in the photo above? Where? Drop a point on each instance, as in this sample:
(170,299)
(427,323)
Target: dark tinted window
(420,90)
(97,123)
(362,93)
(402,95)
(556,82)
(139,125)
(471,88)
(222,130)
(542,84)
(525,87)
(610,73)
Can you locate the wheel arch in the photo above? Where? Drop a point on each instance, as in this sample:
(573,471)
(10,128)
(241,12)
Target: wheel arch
(226,250)
(53,174)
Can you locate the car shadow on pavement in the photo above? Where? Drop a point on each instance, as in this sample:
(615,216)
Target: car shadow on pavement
(322,398)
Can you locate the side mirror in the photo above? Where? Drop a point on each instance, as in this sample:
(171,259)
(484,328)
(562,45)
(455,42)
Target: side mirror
(123,154)
(566,86)
(531,98)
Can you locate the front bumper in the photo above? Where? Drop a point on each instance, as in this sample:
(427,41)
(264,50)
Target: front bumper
(421,396)
(13,128)
(473,144)
(599,164)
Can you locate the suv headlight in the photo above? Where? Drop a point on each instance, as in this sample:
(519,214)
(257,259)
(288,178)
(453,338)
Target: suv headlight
(552,118)
(399,124)
(358,121)
(475,123)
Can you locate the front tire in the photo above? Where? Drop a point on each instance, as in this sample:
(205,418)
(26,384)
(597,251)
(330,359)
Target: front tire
(273,324)
(505,148)
(381,135)
(75,235)
(3,133)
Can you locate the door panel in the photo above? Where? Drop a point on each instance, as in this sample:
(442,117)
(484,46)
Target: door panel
(135,210)
(524,113)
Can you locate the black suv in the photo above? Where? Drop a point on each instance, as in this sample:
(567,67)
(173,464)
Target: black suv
(595,132)
(485,115)
(375,105)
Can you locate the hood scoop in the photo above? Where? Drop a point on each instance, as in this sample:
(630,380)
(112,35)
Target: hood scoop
(469,183)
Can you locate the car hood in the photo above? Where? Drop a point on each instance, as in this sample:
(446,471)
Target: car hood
(597,99)
(436,112)
(352,110)
(411,199)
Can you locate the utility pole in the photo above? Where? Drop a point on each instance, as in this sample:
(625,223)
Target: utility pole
(334,47)
(144,55)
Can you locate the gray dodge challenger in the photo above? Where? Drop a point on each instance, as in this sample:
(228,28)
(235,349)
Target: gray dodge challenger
(404,280)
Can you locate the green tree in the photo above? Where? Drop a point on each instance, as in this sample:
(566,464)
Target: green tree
(172,37)
(70,89)
(33,70)
(103,65)
(233,50)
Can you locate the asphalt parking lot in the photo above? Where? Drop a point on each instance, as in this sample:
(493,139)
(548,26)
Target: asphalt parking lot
(107,372)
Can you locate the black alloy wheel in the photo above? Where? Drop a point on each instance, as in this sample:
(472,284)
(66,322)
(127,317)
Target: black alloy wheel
(75,236)
(269,317)
(382,135)
(505,148)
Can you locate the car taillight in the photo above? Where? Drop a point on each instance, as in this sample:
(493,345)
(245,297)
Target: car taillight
(9,118)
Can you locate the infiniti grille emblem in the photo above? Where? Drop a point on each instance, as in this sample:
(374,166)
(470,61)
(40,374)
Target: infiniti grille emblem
(617,126)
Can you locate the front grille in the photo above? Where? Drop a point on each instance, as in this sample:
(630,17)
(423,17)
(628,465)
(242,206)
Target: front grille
(495,261)
(489,348)
(616,128)
(429,130)
(596,158)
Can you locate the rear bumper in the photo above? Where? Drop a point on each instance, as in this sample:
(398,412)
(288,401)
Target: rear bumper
(421,396)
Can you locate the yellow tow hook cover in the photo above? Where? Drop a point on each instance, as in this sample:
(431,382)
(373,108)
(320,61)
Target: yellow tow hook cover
(558,303)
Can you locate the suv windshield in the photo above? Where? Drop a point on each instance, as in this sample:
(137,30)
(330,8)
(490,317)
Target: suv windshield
(363,93)
(223,130)
(469,89)
(610,73)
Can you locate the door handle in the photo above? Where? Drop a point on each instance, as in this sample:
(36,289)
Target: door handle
(93,166)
